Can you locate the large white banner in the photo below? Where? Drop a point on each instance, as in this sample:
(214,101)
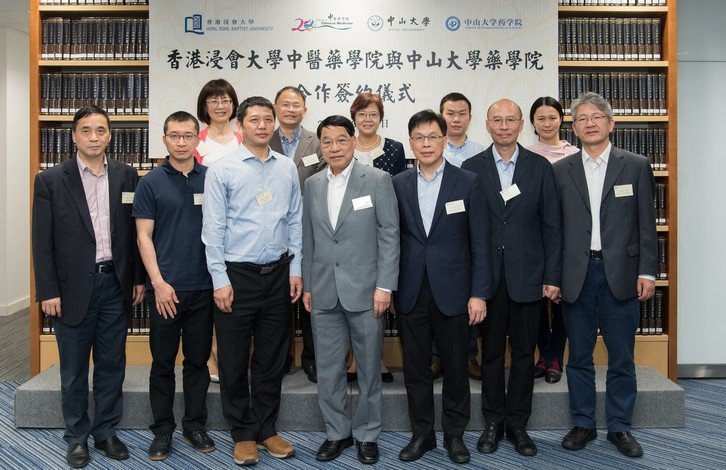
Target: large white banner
(410,52)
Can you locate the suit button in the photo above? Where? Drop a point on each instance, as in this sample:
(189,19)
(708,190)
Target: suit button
(588,232)
(335,242)
(505,222)
(423,266)
(337,264)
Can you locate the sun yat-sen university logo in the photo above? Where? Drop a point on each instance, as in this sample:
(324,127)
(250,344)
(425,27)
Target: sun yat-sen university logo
(331,21)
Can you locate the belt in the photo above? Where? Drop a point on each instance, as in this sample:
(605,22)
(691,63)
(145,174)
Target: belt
(104,267)
(268,268)
(594,254)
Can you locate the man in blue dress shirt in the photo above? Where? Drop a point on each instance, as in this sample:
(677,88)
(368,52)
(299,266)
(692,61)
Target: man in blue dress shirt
(253,235)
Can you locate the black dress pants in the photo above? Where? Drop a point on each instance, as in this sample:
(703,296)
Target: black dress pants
(261,304)
(193,323)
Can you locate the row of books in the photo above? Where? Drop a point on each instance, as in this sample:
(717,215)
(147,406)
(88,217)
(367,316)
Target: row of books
(620,3)
(659,204)
(94,2)
(609,39)
(118,93)
(93,38)
(650,143)
(629,93)
(651,315)
(128,145)
(139,321)
(662,258)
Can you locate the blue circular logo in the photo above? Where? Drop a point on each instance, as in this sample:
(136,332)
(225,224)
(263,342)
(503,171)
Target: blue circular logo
(452,23)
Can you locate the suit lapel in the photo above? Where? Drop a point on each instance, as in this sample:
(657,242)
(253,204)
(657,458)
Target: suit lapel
(302,147)
(490,168)
(74,184)
(523,161)
(613,170)
(577,173)
(448,182)
(321,196)
(356,183)
(412,190)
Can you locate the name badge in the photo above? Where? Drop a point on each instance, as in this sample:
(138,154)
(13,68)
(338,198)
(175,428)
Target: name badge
(310,160)
(454,207)
(511,192)
(265,197)
(127,198)
(362,203)
(202,148)
(198,198)
(623,190)
(378,152)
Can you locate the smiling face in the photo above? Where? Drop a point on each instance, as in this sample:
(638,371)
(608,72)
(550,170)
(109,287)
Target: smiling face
(427,142)
(257,127)
(504,123)
(219,108)
(91,136)
(338,147)
(592,126)
(458,117)
(367,120)
(290,109)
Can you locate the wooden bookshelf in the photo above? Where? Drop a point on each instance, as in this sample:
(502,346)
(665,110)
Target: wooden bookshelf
(614,63)
(630,118)
(94,63)
(105,9)
(612,10)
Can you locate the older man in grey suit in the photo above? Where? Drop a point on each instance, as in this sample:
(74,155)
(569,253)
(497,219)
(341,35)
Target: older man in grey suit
(350,266)
(609,261)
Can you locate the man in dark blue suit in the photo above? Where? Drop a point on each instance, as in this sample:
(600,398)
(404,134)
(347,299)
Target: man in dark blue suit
(444,279)
(87,275)
(526,242)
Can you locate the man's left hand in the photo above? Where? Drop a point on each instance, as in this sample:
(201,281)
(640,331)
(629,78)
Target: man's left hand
(139,293)
(552,292)
(646,288)
(295,288)
(477,310)
(381,302)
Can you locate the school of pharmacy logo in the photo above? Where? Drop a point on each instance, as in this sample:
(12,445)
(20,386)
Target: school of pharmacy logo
(452,23)
(331,21)
(193,24)
(375,23)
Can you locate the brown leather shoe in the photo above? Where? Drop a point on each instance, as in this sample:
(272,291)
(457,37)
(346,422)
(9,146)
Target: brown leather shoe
(436,370)
(277,447)
(245,453)
(473,369)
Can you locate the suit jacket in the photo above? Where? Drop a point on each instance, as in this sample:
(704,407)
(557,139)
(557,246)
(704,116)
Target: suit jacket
(525,233)
(393,159)
(456,252)
(349,261)
(64,243)
(308,145)
(627,223)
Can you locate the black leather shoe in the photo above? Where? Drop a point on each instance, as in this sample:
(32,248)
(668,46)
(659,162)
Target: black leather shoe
(456,449)
(367,452)
(200,440)
(311,372)
(160,447)
(489,440)
(387,377)
(331,450)
(113,448)
(626,444)
(523,444)
(288,365)
(578,438)
(77,455)
(417,447)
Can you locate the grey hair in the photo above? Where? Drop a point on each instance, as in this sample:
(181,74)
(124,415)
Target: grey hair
(594,99)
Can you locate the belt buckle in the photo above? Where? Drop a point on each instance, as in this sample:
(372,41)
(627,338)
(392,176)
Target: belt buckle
(267,269)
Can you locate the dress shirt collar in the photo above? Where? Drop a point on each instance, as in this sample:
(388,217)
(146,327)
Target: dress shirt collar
(246,154)
(167,166)
(82,165)
(454,148)
(295,136)
(604,156)
(498,158)
(344,175)
(439,171)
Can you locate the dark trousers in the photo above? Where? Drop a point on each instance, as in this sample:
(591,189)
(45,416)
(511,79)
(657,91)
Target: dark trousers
(552,335)
(618,323)
(418,327)
(472,347)
(261,305)
(307,357)
(103,329)
(193,322)
(519,320)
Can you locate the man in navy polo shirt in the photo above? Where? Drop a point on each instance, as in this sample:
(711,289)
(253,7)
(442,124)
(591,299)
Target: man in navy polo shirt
(168,212)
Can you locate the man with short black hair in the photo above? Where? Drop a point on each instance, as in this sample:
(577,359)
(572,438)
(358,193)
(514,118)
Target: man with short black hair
(168,212)
(87,277)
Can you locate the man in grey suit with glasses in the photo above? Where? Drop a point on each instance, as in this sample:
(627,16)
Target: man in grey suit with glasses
(350,266)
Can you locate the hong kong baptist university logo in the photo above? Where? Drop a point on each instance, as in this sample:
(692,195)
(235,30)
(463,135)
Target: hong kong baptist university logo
(193,24)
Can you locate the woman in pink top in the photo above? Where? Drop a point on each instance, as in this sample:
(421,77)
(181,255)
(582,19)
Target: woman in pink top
(216,107)
(546,116)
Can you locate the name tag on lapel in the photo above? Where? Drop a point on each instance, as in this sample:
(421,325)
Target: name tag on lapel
(454,207)
(377,152)
(511,192)
(363,202)
(623,190)
(310,160)
(127,198)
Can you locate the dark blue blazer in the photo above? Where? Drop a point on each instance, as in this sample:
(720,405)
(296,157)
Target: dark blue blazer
(455,254)
(526,233)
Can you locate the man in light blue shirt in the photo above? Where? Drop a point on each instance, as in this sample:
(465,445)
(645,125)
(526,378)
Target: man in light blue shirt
(456,110)
(252,231)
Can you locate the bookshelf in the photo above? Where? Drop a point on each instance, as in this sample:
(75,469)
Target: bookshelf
(658,351)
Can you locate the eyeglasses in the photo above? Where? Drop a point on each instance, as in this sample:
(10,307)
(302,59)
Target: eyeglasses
(595,118)
(293,106)
(187,137)
(510,121)
(363,116)
(342,142)
(217,103)
(419,139)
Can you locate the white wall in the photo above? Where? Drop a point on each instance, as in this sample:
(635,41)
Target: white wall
(701,184)
(14,167)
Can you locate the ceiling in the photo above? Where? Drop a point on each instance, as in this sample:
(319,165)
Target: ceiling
(14,14)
